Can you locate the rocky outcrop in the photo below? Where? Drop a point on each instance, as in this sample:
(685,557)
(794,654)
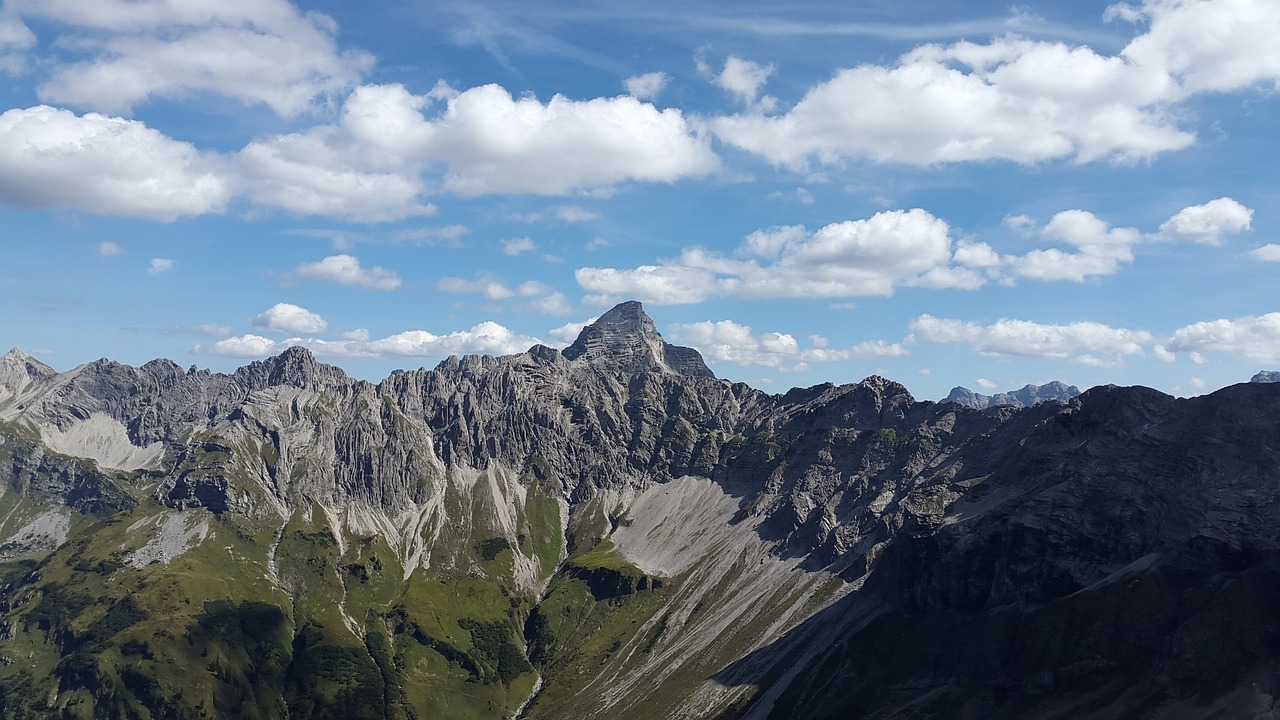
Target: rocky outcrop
(1028,396)
(1266,376)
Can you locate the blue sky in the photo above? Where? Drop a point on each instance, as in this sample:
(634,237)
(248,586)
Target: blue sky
(943,193)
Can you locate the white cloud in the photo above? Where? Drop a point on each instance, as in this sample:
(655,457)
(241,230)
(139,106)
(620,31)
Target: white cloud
(743,79)
(51,158)
(265,52)
(1218,45)
(1253,338)
(1100,249)
(1014,100)
(728,341)
(486,338)
(986,384)
(15,40)
(371,165)
(574,213)
(657,284)
(321,172)
(346,270)
(564,335)
(109,249)
(494,143)
(530,296)
(447,235)
(1025,101)
(1267,253)
(646,86)
(1208,223)
(851,258)
(160,265)
(289,318)
(1030,339)
(518,246)
(243,346)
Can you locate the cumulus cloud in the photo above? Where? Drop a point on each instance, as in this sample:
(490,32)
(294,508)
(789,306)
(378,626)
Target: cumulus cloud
(242,346)
(160,265)
(518,246)
(494,143)
(391,148)
(51,158)
(1208,223)
(646,86)
(15,40)
(266,52)
(1253,338)
(486,338)
(1079,341)
(872,256)
(321,172)
(109,249)
(728,341)
(564,335)
(574,213)
(891,249)
(449,235)
(1213,45)
(1025,101)
(1095,248)
(1098,249)
(743,79)
(1267,253)
(346,270)
(531,296)
(289,318)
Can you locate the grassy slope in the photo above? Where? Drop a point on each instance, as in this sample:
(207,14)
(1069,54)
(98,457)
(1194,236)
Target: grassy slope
(210,634)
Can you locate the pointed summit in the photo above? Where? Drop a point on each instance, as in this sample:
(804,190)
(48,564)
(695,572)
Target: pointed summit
(296,366)
(18,370)
(626,340)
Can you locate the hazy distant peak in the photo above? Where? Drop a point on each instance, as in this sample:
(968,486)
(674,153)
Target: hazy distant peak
(1053,391)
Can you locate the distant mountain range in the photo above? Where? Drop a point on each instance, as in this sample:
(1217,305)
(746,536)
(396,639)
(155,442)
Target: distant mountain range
(610,531)
(1028,396)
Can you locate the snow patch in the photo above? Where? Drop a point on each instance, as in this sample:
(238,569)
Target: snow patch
(104,440)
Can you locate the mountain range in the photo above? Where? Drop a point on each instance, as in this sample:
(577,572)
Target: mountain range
(610,531)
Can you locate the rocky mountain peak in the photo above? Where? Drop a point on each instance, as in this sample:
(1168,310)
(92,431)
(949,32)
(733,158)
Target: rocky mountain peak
(1266,376)
(296,366)
(18,369)
(626,340)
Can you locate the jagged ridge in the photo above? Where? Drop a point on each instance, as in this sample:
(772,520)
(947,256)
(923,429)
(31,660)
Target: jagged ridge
(655,543)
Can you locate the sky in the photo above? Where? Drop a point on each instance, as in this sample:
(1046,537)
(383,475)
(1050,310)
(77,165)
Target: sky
(941,193)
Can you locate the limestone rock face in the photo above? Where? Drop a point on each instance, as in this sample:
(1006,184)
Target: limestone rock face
(834,551)
(1266,376)
(626,340)
(1029,395)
